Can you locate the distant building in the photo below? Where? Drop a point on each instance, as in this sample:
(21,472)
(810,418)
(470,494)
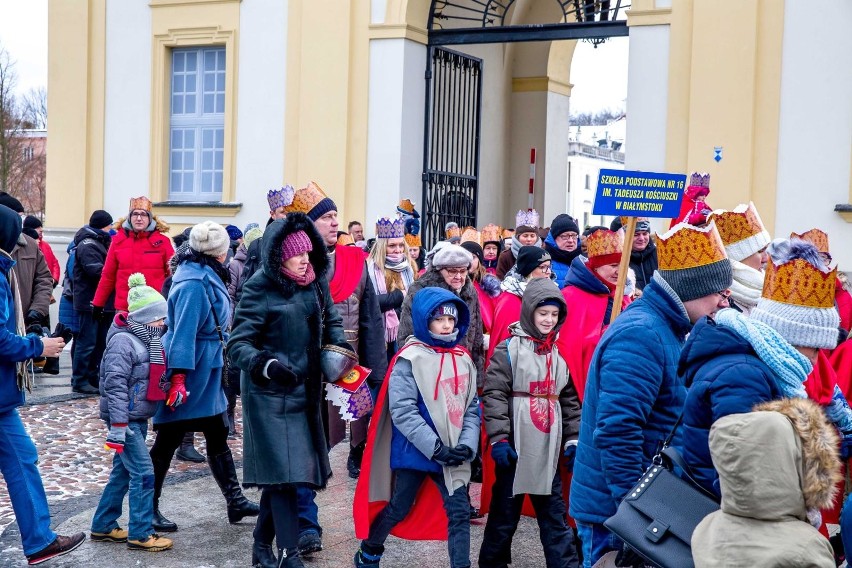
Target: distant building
(585,161)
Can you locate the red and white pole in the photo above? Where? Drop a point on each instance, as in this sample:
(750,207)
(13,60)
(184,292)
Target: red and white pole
(532,178)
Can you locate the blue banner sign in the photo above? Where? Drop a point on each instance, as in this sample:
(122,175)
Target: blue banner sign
(625,193)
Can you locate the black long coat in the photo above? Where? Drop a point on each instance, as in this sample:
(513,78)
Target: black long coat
(284,440)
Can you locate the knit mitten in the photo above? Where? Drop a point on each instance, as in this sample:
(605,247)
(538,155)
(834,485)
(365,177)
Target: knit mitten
(115,437)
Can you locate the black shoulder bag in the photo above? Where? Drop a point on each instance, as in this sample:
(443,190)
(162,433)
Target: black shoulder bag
(658,516)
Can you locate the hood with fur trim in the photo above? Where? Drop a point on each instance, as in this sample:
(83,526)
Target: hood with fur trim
(776,462)
(156,224)
(271,242)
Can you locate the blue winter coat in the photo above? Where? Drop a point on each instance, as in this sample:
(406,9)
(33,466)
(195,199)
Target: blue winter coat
(191,342)
(13,347)
(67,314)
(724,376)
(633,398)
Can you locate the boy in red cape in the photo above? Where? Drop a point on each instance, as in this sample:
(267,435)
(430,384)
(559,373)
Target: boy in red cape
(425,427)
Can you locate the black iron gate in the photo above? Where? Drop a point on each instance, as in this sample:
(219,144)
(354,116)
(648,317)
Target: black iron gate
(451,141)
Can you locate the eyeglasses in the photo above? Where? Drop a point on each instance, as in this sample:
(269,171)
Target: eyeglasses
(569,236)
(455,271)
(138,214)
(726,294)
(545,269)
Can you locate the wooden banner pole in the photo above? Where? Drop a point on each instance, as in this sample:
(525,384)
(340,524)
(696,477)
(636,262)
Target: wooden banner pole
(623,267)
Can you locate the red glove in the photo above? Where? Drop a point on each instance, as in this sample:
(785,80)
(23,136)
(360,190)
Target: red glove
(177,392)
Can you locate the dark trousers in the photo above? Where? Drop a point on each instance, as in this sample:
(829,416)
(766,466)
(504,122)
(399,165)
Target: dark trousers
(278,517)
(556,538)
(170,435)
(407,483)
(91,341)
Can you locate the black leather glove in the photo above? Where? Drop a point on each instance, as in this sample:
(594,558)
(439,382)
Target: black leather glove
(463,452)
(97,313)
(63,331)
(282,374)
(628,558)
(445,456)
(33,317)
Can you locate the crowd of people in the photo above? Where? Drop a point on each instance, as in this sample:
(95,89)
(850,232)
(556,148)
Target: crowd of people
(496,357)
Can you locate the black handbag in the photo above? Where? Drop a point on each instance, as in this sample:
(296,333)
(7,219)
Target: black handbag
(657,517)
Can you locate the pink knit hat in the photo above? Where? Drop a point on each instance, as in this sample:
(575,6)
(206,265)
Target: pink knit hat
(295,244)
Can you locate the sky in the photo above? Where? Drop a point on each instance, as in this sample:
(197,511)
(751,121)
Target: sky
(599,75)
(23,33)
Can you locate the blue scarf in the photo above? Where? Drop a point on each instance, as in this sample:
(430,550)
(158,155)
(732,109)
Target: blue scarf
(791,368)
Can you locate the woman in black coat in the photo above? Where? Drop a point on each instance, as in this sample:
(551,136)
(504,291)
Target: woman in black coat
(285,316)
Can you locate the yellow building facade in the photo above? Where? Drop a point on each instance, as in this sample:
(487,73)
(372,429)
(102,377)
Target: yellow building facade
(333,91)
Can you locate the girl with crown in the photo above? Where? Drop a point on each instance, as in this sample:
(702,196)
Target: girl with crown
(392,273)
(526,227)
(694,209)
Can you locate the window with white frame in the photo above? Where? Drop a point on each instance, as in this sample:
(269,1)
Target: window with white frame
(197,124)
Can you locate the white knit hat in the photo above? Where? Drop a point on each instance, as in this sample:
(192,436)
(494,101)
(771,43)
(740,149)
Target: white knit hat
(798,295)
(209,238)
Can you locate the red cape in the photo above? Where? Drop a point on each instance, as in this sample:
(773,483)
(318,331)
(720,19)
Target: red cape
(486,307)
(426,520)
(841,362)
(582,331)
(348,268)
(507,310)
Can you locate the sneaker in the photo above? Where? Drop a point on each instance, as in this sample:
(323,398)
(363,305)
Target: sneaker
(59,547)
(85,389)
(309,543)
(364,560)
(117,534)
(154,543)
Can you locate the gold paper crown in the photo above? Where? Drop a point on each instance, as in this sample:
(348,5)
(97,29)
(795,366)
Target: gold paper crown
(345,240)
(508,233)
(406,205)
(737,225)
(306,199)
(685,246)
(142,203)
(800,283)
(470,234)
(604,242)
(412,240)
(816,237)
(453,232)
(491,233)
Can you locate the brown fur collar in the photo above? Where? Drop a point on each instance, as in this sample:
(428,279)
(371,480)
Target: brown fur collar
(820,462)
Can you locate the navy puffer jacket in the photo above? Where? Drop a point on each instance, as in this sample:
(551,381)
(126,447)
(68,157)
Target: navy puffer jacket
(633,398)
(724,376)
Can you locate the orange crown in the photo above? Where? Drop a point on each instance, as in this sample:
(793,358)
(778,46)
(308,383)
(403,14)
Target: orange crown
(306,199)
(490,233)
(142,203)
(603,243)
(737,225)
(470,234)
(345,240)
(412,240)
(800,283)
(508,233)
(686,246)
(816,237)
(453,232)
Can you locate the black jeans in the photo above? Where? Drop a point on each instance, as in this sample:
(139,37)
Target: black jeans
(407,483)
(170,435)
(556,537)
(278,517)
(90,341)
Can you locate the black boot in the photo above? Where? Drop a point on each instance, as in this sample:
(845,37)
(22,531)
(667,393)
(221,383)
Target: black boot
(289,558)
(187,451)
(160,523)
(262,556)
(353,463)
(225,474)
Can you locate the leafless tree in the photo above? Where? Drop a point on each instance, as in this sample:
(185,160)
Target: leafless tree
(22,161)
(34,108)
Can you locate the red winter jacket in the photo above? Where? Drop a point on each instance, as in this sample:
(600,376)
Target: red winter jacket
(130,252)
(50,258)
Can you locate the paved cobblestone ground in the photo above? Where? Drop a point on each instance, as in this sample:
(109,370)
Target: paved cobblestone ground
(74,467)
